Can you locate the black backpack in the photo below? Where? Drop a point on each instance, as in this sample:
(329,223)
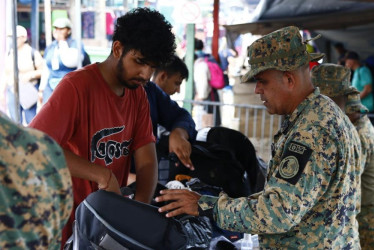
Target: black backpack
(244,152)
(224,158)
(215,165)
(105,220)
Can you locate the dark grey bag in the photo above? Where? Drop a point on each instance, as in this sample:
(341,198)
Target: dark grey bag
(105,220)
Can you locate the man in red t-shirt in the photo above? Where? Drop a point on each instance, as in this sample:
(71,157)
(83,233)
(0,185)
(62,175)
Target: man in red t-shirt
(100,114)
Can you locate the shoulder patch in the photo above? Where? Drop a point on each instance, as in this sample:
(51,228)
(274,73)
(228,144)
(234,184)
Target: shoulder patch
(293,162)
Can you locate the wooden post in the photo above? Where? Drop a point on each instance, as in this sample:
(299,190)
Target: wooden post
(215,30)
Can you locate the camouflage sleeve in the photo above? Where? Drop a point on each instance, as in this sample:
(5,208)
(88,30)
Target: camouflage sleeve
(365,131)
(207,202)
(54,169)
(302,174)
(364,150)
(34,180)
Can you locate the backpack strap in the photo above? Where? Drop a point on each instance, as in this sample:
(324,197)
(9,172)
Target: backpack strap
(205,151)
(217,148)
(33,57)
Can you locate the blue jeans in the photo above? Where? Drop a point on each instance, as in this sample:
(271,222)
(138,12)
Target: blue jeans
(29,113)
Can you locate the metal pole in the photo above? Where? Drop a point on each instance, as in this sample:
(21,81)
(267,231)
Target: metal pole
(35,24)
(15,60)
(3,41)
(190,36)
(78,30)
(48,22)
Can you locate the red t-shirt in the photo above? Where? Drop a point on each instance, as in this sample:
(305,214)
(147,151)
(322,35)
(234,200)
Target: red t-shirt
(84,116)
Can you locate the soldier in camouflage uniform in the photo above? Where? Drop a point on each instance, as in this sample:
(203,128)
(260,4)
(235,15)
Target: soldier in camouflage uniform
(357,114)
(36,189)
(333,81)
(309,200)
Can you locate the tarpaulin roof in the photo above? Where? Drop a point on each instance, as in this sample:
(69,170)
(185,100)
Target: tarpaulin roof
(347,21)
(306,14)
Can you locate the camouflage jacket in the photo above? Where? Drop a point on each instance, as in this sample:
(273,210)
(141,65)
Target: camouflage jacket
(366,132)
(310,198)
(36,190)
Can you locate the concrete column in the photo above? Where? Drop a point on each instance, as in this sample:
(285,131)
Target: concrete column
(100,24)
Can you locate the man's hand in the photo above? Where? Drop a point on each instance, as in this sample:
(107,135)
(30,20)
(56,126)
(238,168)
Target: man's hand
(81,168)
(109,183)
(113,185)
(184,202)
(179,144)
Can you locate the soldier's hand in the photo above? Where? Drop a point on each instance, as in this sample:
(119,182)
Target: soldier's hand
(183,202)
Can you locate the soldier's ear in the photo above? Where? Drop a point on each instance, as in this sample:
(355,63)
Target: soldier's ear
(289,77)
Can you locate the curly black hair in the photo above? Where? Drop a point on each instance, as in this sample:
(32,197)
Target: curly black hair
(148,32)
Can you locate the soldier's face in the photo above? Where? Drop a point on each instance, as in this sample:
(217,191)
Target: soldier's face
(340,101)
(274,91)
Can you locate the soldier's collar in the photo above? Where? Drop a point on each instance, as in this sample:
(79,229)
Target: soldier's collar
(291,119)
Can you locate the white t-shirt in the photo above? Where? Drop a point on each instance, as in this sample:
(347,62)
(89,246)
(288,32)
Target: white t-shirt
(201,79)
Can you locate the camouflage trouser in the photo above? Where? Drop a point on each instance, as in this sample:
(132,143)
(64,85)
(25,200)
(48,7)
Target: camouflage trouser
(366,227)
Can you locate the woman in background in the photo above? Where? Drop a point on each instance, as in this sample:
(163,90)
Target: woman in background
(61,57)
(30,64)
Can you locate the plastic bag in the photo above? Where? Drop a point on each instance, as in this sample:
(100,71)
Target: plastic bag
(199,231)
(221,243)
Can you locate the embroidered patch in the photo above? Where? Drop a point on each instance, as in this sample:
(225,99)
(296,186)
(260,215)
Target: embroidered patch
(289,167)
(294,160)
(297,148)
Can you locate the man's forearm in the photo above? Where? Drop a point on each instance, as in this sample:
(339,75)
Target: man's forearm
(179,132)
(146,180)
(84,169)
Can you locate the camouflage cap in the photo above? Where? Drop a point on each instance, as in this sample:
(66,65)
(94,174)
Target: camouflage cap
(332,79)
(351,90)
(282,50)
(354,104)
